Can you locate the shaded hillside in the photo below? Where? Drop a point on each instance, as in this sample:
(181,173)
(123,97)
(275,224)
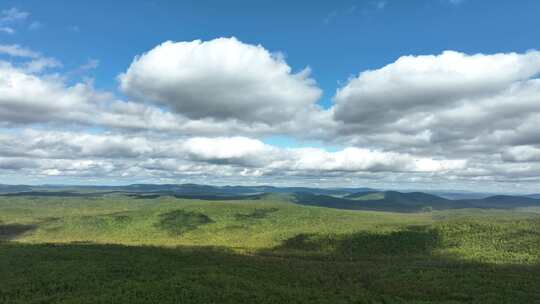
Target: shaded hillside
(505,202)
(310,199)
(460,195)
(366,196)
(411,202)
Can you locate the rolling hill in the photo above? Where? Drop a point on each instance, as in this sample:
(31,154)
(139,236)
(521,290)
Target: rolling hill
(382,201)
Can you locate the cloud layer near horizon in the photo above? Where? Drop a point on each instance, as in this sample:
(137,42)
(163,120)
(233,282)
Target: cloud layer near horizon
(201,109)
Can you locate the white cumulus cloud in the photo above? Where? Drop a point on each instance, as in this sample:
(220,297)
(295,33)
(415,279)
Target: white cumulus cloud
(221,79)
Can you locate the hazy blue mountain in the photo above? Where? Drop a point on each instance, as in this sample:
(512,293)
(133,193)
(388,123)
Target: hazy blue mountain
(505,201)
(14,188)
(411,201)
(310,199)
(459,195)
(187,189)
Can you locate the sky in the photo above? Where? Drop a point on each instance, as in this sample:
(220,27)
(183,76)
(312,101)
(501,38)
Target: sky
(418,94)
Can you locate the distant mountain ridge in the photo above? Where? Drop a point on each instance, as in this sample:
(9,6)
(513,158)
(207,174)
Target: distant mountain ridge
(340,198)
(185,189)
(14,188)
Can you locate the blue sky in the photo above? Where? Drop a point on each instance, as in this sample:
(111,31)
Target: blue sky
(410,94)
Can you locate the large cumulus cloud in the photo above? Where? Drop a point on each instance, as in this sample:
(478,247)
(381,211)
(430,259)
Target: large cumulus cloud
(448,103)
(414,84)
(221,79)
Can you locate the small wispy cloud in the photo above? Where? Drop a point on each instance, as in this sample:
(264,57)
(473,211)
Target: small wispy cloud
(81,70)
(36,62)
(455,2)
(330,17)
(12,18)
(36,25)
(15,50)
(380,5)
(374,7)
(366,9)
(90,65)
(73,28)
(7,30)
(40,64)
(13,14)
